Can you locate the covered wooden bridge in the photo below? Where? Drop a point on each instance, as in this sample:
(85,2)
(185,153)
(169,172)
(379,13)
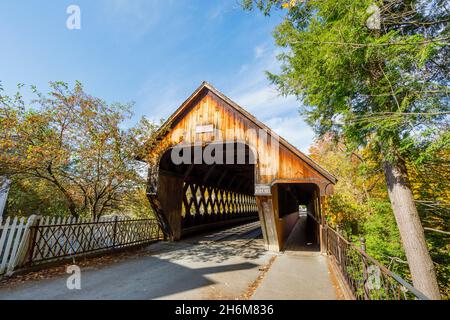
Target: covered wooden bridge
(215,164)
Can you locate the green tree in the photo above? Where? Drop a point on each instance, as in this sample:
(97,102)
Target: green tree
(383,85)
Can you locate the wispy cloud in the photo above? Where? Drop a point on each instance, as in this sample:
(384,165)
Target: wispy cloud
(157,100)
(221,9)
(135,17)
(266,102)
(294,130)
(256,94)
(259,51)
(243,69)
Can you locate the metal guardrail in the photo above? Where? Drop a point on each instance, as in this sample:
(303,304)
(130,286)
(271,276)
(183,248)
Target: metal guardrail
(365,277)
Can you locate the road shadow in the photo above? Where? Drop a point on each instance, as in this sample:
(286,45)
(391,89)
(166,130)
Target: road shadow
(148,277)
(157,271)
(213,251)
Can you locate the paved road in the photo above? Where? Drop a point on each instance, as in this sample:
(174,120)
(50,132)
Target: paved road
(223,265)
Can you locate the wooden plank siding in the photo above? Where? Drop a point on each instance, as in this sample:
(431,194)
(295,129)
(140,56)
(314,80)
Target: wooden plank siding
(277,161)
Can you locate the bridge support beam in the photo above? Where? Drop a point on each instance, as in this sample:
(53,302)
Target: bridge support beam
(266,211)
(170,195)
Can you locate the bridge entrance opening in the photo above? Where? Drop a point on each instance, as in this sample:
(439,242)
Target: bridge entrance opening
(299,215)
(207,187)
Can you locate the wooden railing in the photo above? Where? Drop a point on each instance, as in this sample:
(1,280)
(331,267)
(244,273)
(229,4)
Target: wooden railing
(365,277)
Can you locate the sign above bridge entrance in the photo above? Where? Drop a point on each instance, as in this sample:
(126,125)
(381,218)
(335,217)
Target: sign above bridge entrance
(204,128)
(262,190)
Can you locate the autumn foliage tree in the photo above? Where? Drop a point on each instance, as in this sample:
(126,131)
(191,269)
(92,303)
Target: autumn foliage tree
(360,205)
(74,143)
(383,85)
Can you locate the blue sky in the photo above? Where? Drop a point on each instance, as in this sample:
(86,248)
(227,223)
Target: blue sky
(152,52)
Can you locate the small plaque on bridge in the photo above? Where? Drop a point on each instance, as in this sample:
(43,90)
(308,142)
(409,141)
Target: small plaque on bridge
(204,128)
(262,190)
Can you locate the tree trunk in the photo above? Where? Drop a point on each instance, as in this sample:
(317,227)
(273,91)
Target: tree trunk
(70,202)
(411,231)
(73,209)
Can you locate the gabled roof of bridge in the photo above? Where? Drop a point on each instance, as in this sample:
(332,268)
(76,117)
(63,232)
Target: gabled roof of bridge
(178,114)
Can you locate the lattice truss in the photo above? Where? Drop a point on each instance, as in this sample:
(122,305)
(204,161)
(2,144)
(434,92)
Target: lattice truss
(202,204)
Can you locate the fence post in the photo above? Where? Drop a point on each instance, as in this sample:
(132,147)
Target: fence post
(338,244)
(324,238)
(33,238)
(363,244)
(362,240)
(115,231)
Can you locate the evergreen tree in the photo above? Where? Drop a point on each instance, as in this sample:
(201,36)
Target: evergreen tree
(374,73)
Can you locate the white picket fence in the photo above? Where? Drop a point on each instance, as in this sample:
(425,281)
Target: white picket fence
(14,237)
(12,232)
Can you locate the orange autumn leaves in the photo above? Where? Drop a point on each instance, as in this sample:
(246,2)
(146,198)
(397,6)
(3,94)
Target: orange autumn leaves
(74,142)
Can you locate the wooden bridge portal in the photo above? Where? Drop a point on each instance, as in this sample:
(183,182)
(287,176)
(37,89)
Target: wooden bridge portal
(215,164)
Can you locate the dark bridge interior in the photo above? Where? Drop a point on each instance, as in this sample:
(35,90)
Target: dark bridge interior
(290,197)
(213,193)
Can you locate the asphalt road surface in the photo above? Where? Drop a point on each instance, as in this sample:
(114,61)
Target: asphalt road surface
(230,264)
